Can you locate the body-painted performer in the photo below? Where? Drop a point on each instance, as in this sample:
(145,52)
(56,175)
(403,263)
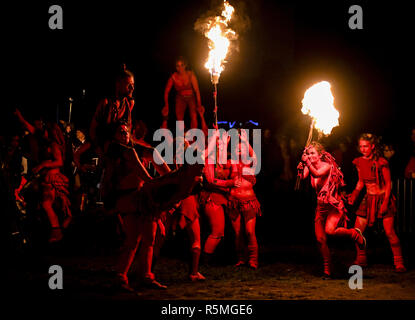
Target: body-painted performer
(330,219)
(187,93)
(243,205)
(111,111)
(378,202)
(54,183)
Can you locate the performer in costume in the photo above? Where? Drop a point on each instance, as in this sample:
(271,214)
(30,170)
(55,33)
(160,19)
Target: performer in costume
(330,219)
(140,200)
(111,111)
(243,205)
(214,196)
(378,202)
(187,93)
(54,183)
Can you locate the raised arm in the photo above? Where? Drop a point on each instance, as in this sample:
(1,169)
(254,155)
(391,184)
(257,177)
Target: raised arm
(318,172)
(22,120)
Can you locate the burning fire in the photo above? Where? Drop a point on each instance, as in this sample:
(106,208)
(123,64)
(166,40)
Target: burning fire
(318,104)
(219,35)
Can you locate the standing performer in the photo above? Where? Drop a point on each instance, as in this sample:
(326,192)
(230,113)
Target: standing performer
(330,219)
(378,202)
(54,183)
(112,110)
(214,197)
(243,206)
(187,93)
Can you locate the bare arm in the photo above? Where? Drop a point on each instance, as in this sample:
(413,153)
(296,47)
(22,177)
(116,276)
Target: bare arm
(209,172)
(318,172)
(388,186)
(359,186)
(57,161)
(167,91)
(22,120)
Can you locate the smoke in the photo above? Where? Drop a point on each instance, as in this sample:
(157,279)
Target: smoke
(239,23)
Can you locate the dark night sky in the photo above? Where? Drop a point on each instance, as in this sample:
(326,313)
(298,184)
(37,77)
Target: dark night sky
(288,46)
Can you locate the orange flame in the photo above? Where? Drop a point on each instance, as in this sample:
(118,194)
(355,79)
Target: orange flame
(219,35)
(318,104)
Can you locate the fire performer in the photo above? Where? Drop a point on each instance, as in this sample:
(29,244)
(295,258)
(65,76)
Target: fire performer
(243,206)
(378,202)
(330,219)
(187,93)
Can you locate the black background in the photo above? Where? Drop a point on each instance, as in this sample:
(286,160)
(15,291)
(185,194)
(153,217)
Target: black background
(285,48)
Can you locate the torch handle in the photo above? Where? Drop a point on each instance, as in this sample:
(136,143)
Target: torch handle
(310,136)
(215,110)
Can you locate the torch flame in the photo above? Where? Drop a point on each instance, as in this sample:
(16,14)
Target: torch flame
(318,104)
(219,36)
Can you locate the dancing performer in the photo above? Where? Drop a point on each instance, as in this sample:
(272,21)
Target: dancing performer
(243,205)
(112,110)
(130,191)
(378,202)
(54,183)
(187,93)
(330,219)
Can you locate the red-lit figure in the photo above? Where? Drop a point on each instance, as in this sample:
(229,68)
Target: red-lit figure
(214,197)
(243,205)
(187,93)
(378,202)
(110,111)
(123,181)
(54,183)
(330,218)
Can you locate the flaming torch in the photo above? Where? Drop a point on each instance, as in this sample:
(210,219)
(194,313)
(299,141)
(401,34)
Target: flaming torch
(219,35)
(318,104)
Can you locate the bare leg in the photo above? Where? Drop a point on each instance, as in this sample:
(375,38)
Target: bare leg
(388,225)
(216,218)
(252,243)
(361,258)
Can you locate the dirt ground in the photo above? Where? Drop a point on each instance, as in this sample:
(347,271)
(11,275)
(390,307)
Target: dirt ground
(285,273)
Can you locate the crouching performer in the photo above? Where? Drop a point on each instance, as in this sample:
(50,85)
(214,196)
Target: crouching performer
(330,219)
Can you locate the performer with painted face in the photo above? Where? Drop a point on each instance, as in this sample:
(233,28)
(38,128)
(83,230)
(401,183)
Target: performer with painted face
(330,219)
(378,202)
